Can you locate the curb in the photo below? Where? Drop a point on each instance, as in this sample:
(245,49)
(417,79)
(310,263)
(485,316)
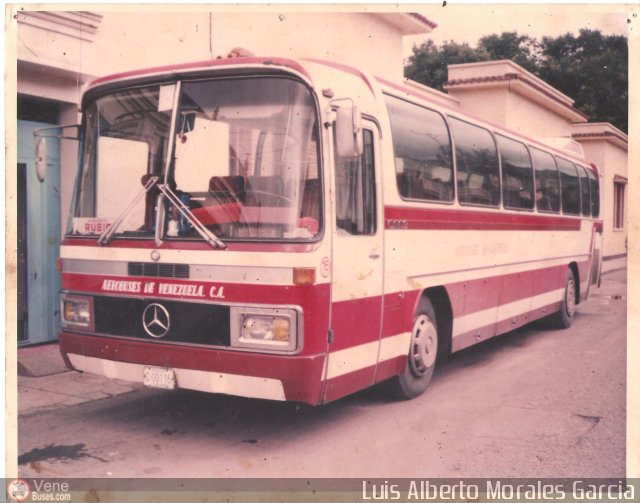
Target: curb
(39,361)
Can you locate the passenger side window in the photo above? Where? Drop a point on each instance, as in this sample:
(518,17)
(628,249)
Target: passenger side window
(595,193)
(422,151)
(517,174)
(584,191)
(477,166)
(356,190)
(547,181)
(570,185)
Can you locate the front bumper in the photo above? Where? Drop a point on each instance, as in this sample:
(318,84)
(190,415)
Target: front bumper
(254,375)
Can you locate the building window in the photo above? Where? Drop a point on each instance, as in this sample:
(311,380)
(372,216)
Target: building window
(618,205)
(37,110)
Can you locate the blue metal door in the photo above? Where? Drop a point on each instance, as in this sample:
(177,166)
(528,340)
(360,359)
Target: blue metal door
(39,241)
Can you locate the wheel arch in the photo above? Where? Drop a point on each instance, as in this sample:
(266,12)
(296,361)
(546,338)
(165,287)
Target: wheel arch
(576,275)
(439,298)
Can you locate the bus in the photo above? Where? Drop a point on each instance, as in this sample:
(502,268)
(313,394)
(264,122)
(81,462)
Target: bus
(300,230)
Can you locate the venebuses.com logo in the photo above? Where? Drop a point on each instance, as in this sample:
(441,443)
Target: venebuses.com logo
(18,490)
(38,490)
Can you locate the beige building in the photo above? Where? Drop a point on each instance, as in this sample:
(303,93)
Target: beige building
(607,147)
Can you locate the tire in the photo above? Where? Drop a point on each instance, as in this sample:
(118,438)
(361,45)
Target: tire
(423,352)
(563,318)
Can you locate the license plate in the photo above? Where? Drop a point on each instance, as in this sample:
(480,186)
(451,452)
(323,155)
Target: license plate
(157,377)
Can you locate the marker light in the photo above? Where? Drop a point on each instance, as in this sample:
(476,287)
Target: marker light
(304,275)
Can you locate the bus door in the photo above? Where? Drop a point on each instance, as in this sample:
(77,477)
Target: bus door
(357,270)
(595,266)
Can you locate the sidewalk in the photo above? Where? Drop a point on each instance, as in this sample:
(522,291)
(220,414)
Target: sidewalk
(614,264)
(45,383)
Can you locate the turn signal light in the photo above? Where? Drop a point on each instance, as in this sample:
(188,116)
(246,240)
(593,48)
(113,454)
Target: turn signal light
(304,275)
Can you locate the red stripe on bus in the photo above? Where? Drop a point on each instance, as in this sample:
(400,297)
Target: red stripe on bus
(471,296)
(399,308)
(402,218)
(355,322)
(314,300)
(134,286)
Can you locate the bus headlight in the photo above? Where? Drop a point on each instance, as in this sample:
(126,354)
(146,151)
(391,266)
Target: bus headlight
(265,329)
(77,311)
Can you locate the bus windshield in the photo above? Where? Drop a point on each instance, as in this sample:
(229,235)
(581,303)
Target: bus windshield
(244,162)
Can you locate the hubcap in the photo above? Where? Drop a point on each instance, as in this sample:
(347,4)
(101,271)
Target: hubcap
(424,345)
(570,298)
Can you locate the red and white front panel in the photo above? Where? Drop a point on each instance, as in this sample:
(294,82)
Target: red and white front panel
(204,310)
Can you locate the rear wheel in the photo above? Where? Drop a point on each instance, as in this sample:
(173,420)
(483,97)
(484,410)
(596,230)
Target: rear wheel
(423,350)
(564,317)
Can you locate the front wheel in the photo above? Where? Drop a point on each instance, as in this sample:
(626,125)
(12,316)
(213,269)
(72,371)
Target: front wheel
(564,317)
(423,350)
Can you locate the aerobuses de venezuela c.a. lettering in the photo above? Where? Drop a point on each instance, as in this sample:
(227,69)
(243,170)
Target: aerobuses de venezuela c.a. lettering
(191,290)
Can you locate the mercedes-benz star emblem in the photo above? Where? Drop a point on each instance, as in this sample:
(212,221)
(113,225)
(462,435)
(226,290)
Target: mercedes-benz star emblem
(156,321)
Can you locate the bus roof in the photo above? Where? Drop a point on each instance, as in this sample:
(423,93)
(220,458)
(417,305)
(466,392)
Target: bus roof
(202,65)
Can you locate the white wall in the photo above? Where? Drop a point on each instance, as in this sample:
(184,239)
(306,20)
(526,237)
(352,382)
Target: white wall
(358,39)
(142,39)
(506,94)
(530,119)
(131,40)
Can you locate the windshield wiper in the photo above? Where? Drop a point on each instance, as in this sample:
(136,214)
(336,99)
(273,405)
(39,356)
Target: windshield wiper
(106,236)
(206,234)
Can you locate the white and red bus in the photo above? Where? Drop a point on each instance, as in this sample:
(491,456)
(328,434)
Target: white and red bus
(300,230)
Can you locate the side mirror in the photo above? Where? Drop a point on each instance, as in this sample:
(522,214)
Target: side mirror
(41,134)
(348,131)
(41,159)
